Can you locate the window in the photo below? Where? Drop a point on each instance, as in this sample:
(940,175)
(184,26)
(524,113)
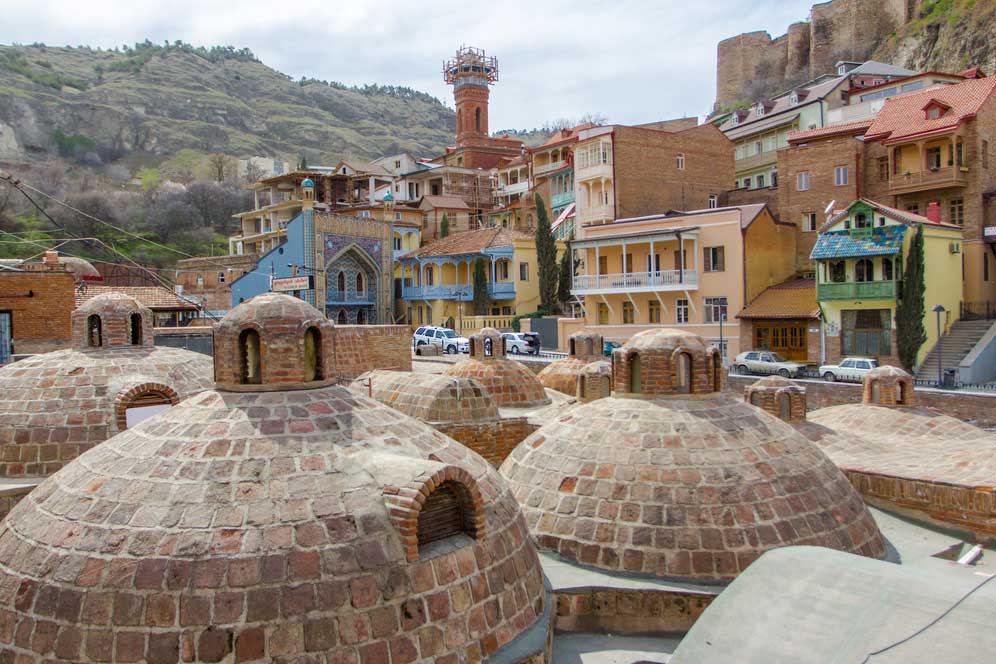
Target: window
(933,158)
(861,220)
(221,277)
(359,283)
(502,268)
(249,372)
(747,183)
(135,325)
(200,280)
(397,216)
(603,313)
(933,113)
(774,177)
(809,222)
(523,271)
(887,269)
(713,201)
(653,263)
(477,119)
(715,309)
(654,312)
(760,110)
(866,332)
(883,169)
(429,277)
(714,259)
(681,310)
(629,263)
(957,206)
(760,181)
(838,272)
(680,161)
(802,181)
(628,313)
(914,208)
(793,99)
(840,176)
(864,270)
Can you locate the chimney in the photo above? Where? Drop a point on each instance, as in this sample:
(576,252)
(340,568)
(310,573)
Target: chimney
(934,211)
(51,260)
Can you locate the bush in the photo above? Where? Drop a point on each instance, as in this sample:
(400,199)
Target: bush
(516,327)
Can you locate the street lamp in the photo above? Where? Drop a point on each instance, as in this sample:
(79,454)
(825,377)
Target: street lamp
(939,309)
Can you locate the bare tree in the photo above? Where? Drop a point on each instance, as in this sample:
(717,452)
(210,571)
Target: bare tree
(253,172)
(220,166)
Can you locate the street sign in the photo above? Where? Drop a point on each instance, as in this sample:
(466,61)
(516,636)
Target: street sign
(287,284)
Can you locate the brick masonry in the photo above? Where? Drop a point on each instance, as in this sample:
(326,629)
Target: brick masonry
(508,382)
(628,611)
(40,304)
(362,348)
(493,440)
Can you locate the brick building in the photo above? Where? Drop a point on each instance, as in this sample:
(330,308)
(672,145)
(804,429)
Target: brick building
(208,280)
(35,307)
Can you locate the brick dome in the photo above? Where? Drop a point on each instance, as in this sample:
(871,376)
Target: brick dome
(273,342)
(509,382)
(594,381)
(301,524)
(778,396)
(432,398)
(54,406)
(687,485)
(562,375)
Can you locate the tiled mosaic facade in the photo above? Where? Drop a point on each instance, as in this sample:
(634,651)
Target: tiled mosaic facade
(265,526)
(692,486)
(509,382)
(348,301)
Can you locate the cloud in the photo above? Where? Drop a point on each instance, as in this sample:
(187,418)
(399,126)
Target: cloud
(631,61)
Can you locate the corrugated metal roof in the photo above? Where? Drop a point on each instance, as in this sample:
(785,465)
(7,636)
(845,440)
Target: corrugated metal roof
(883,241)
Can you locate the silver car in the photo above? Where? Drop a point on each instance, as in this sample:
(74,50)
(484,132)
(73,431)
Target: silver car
(850,369)
(766,362)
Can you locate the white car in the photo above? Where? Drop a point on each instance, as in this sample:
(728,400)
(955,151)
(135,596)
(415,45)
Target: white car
(850,369)
(448,340)
(766,362)
(521,343)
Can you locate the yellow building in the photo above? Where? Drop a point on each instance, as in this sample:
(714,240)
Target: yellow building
(860,257)
(438,279)
(691,270)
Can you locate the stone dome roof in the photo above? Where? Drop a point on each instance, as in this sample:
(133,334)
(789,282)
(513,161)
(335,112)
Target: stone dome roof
(432,398)
(269,526)
(509,382)
(562,375)
(694,485)
(594,381)
(54,406)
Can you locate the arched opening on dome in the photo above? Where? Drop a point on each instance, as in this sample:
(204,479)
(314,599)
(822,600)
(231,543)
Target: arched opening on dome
(573,348)
(143,402)
(605,386)
(489,350)
(683,378)
(755,399)
(94,331)
(312,354)
(784,406)
(635,374)
(135,330)
(876,396)
(589,346)
(717,373)
(249,358)
(361,317)
(447,512)
(341,318)
(902,396)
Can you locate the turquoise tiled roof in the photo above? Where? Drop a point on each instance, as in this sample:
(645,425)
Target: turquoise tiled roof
(883,241)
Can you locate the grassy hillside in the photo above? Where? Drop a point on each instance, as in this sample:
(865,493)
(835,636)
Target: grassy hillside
(155,101)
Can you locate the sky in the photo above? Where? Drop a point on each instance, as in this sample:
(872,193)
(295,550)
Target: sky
(631,62)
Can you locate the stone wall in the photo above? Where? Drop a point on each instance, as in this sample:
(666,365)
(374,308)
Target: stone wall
(10,495)
(628,611)
(493,440)
(40,304)
(361,348)
(974,407)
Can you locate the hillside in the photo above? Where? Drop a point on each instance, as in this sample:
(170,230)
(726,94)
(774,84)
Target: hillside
(153,101)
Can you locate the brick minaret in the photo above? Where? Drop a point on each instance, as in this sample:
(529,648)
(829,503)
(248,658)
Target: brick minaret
(470,73)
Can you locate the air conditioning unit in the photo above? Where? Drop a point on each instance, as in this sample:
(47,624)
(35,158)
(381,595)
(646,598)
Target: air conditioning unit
(954,247)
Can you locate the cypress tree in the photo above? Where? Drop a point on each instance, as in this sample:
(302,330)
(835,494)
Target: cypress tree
(444,226)
(565,279)
(910,335)
(480,288)
(546,258)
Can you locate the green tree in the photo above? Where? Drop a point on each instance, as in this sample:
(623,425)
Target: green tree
(546,258)
(444,226)
(302,162)
(480,288)
(565,278)
(910,335)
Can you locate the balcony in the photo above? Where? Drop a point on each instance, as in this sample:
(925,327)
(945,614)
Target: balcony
(515,188)
(858,290)
(768,158)
(562,199)
(596,213)
(939,178)
(502,290)
(549,168)
(635,282)
(594,171)
(343,298)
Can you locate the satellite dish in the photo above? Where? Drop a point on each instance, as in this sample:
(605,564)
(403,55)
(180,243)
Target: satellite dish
(829,207)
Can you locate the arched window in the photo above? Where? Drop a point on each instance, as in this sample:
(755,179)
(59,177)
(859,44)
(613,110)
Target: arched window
(341,318)
(635,374)
(684,378)
(135,321)
(447,512)
(249,370)
(361,317)
(341,283)
(784,407)
(477,119)
(360,285)
(312,354)
(887,269)
(94,331)
(864,270)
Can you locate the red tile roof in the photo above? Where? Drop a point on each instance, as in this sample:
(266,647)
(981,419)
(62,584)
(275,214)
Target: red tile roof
(156,298)
(903,116)
(469,242)
(838,129)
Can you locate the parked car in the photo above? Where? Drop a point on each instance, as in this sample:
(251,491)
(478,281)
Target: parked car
(448,340)
(527,343)
(766,362)
(850,369)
